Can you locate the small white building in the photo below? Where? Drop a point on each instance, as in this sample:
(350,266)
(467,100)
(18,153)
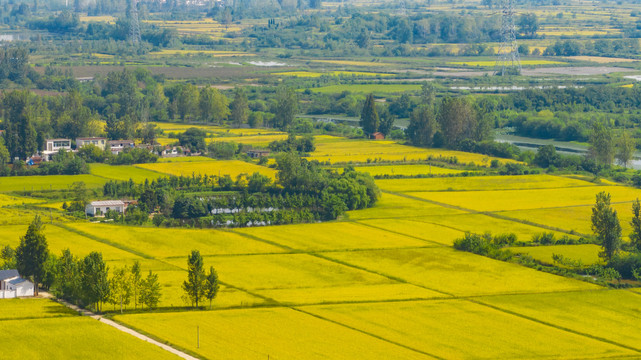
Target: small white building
(13,286)
(53,146)
(99,142)
(100,208)
(117,146)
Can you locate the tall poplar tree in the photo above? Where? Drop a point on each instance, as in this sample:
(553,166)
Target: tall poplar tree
(605,225)
(194,286)
(369,116)
(32,253)
(239,107)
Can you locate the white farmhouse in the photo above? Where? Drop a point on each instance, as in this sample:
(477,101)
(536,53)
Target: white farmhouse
(13,286)
(100,208)
(53,146)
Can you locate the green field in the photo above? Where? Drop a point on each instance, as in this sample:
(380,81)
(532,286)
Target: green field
(588,254)
(49,182)
(123,172)
(43,329)
(406,170)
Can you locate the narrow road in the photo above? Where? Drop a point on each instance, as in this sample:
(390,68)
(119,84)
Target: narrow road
(122,328)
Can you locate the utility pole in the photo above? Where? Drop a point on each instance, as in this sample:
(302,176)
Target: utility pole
(509,60)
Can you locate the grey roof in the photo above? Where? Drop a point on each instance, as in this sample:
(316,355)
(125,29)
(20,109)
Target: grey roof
(108,203)
(17,281)
(8,274)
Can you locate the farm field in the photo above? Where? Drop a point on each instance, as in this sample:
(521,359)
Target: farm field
(392,206)
(123,172)
(313,74)
(528,199)
(574,218)
(612,313)
(46,327)
(406,170)
(455,273)
(279,333)
(440,327)
(233,168)
(481,183)
(334,150)
(493,63)
(50,182)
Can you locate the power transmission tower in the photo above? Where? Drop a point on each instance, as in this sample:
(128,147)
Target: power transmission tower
(509,61)
(402,8)
(134,23)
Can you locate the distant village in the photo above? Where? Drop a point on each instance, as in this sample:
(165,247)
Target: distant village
(54,146)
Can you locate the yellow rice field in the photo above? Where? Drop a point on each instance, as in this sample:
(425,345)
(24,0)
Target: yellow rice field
(492,63)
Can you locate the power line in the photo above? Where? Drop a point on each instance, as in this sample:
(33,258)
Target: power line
(509,60)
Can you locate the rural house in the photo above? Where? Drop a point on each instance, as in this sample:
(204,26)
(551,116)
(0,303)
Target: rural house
(53,146)
(117,146)
(254,154)
(378,136)
(100,208)
(99,142)
(12,285)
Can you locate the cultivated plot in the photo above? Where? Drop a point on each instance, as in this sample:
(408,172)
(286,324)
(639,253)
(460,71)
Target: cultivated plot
(480,183)
(458,329)
(332,236)
(395,206)
(528,199)
(123,172)
(49,182)
(609,314)
(457,273)
(406,170)
(162,243)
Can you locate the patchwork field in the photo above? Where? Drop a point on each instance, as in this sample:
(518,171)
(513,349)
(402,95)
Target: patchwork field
(406,170)
(379,283)
(50,182)
(49,330)
(218,168)
(123,172)
(358,151)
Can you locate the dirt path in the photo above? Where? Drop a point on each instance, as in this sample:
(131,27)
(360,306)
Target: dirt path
(122,328)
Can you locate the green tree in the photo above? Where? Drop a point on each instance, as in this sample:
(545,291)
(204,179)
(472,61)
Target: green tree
(635,223)
(369,116)
(601,144)
(68,280)
(194,286)
(286,108)
(625,147)
(120,288)
(239,107)
(605,225)
(95,280)
(546,156)
(187,101)
(32,253)
(135,280)
(193,138)
(214,106)
(8,256)
(528,25)
(20,133)
(386,120)
(150,291)
(211,285)
(4,154)
(423,126)
(459,120)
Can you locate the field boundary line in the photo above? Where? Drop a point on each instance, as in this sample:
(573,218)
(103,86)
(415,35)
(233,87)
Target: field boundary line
(558,327)
(367,333)
(104,241)
(269,242)
(486,213)
(390,277)
(430,242)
